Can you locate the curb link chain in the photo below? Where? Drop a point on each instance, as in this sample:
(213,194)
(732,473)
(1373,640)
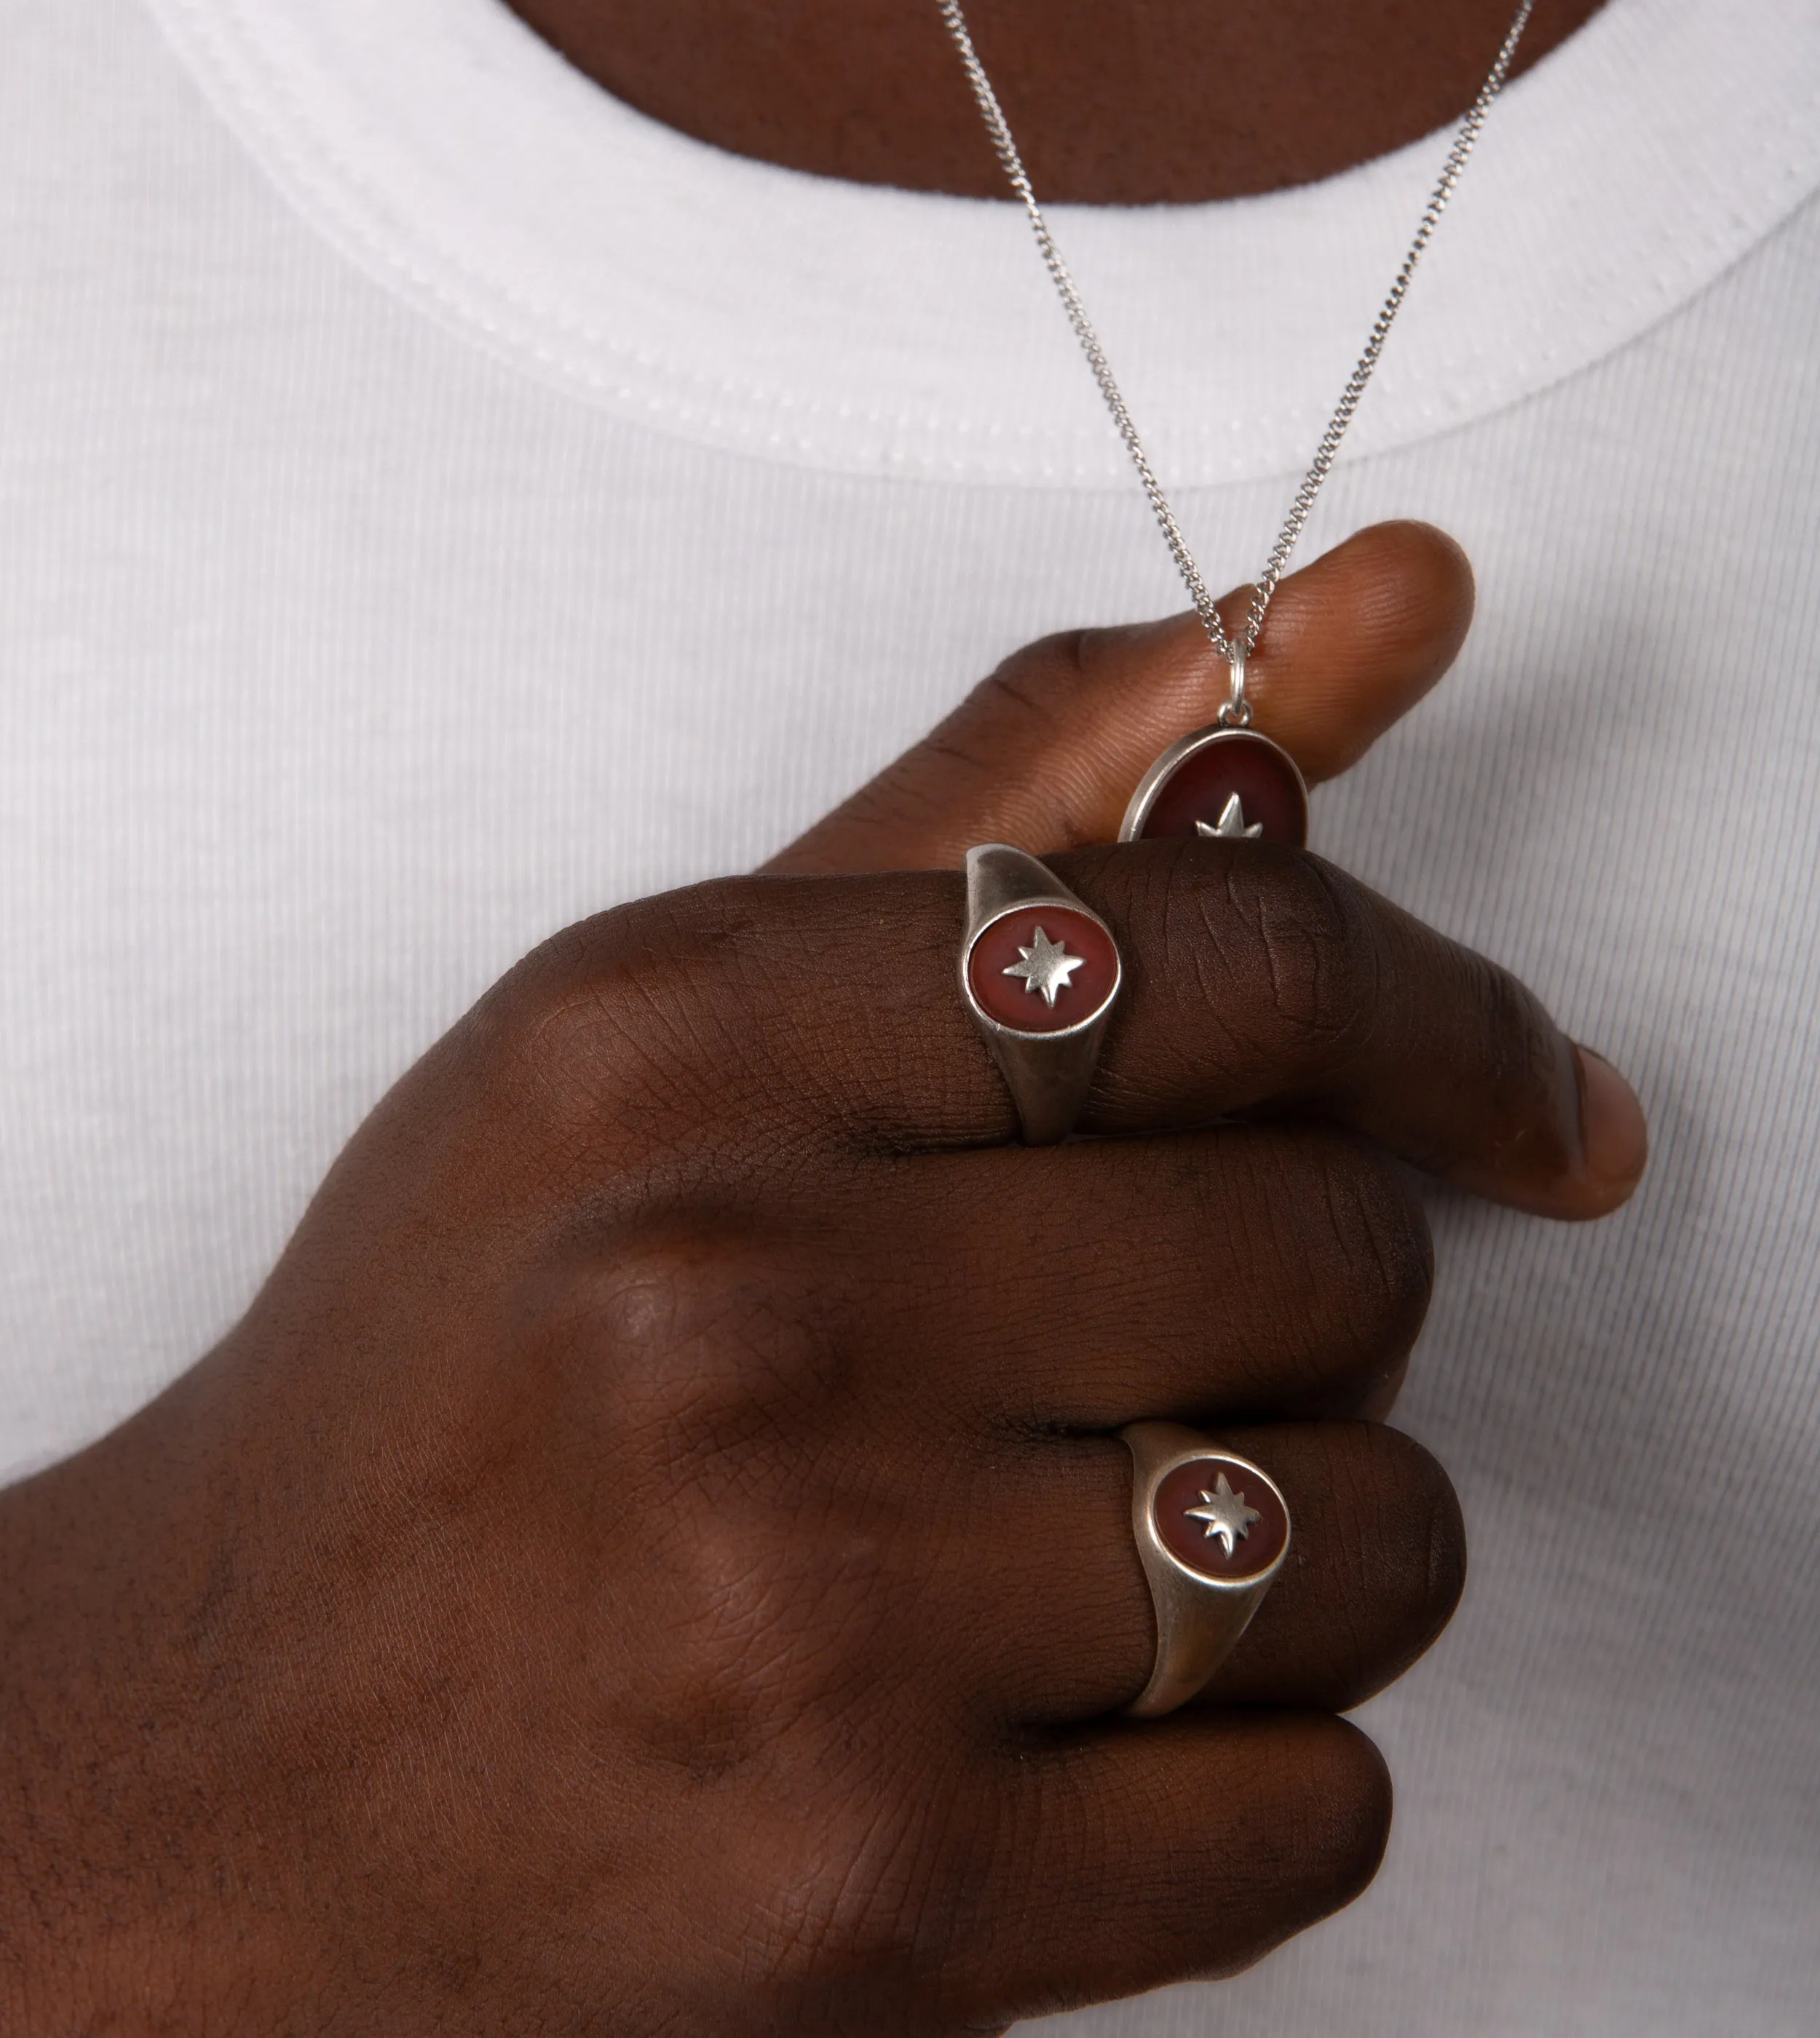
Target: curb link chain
(1235,651)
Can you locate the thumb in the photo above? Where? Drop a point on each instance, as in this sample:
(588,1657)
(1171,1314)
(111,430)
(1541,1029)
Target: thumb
(1045,752)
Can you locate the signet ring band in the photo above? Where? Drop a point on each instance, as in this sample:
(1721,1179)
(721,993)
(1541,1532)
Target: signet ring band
(1212,1531)
(1039,971)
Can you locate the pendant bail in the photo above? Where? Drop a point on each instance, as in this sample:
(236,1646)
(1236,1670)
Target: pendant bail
(1235,711)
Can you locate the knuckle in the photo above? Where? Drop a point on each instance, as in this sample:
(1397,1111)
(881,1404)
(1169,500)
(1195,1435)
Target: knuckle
(1063,658)
(1043,683)
(1349,1821)
(1320,940)
(1419,1546)
(709,1684)
(1386,1259)
(755,1636)
(778,1654)
(716,1396)
(1033,682)
(1515,1070)
(1321,1808)
(866,1891)
(1383,1561)
(707,1332)
(1439,1543)
(1506,1018)
(1303,940)
(641,1011)
(1340,1227)
(872,1878)
(1532,1078)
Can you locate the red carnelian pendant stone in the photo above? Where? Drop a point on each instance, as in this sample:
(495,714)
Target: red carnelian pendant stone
(1042,969)
(1191,788)
(1204,1506)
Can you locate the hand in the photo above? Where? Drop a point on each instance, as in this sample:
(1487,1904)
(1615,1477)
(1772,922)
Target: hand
(655,1557)
(1045,752)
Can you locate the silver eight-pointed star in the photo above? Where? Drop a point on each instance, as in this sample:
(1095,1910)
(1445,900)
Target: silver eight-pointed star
(1046,966)
(1232,822)
(1225,1513)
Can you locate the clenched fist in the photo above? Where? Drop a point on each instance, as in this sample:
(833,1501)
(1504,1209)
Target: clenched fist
(656,1557)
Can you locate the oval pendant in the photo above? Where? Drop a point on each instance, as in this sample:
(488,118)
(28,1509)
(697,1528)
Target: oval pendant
(1230,783)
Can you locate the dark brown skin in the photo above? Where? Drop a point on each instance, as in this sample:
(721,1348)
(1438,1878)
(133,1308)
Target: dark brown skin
(655,1558)
(1147,102)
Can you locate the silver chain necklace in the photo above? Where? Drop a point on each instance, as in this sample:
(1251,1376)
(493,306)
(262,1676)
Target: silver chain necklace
(1235,715)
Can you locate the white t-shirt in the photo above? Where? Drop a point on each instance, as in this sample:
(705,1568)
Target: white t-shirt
(436,501)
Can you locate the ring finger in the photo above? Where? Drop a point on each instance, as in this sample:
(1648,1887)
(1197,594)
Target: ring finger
(1044,1577)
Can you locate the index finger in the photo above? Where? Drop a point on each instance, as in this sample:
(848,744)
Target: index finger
(1278,983)
(1258,979)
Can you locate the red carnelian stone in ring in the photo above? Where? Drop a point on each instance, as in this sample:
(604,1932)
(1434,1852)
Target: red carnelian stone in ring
(1236,761)
(1187,1539)
(1008,1000)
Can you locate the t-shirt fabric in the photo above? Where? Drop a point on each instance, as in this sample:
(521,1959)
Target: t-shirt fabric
(436,502)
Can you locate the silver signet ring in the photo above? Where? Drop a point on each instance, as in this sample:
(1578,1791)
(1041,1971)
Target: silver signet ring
(1039,971)
(1212,1531)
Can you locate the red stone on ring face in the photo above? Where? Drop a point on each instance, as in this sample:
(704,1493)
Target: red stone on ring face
(1014,1000)
(1197,1542)
(1236,761)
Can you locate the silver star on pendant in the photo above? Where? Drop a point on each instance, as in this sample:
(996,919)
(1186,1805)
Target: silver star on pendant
(1046,966)
(1232,822)
(1225,1513)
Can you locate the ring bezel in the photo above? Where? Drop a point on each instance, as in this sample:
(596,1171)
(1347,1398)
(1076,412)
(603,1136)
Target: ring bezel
(1047,1070)
(1199,1618)
(1056,902)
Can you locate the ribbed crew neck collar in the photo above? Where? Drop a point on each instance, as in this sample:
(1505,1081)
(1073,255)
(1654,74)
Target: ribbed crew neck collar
(444,148)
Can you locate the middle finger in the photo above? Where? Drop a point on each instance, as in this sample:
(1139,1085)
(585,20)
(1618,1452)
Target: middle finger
(1235,1274)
